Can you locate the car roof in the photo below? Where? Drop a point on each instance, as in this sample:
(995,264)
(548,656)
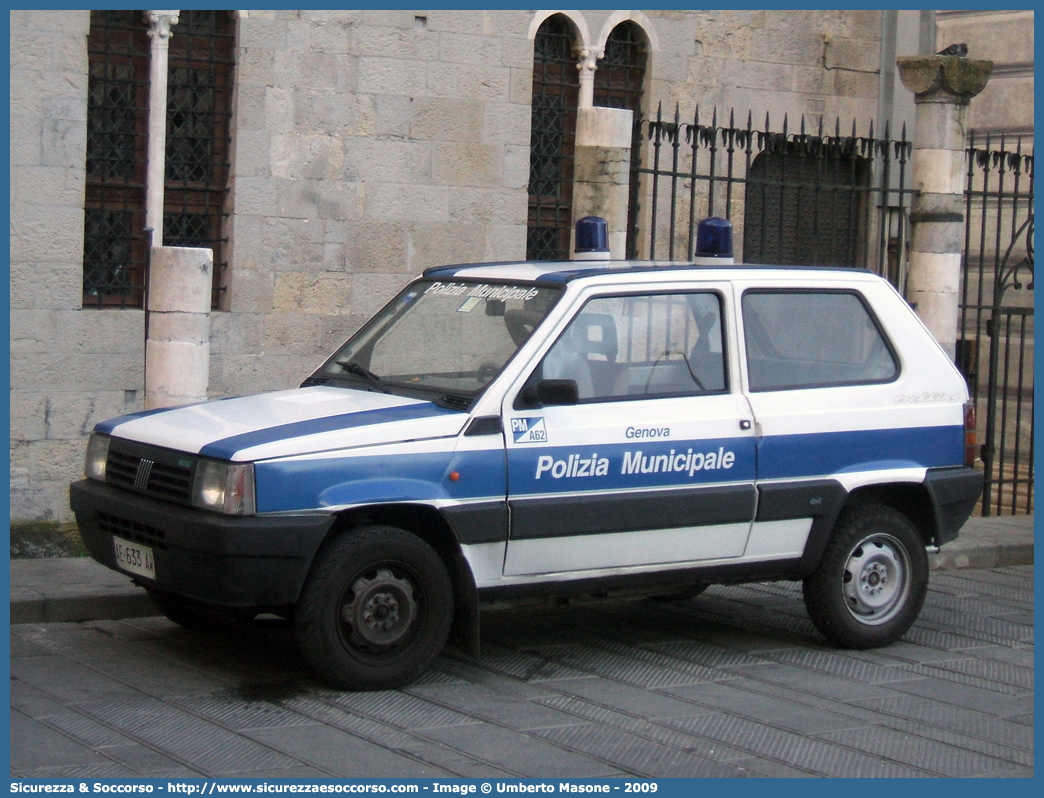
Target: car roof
(561,272)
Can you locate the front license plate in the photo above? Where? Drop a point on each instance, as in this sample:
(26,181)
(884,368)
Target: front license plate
(134,557)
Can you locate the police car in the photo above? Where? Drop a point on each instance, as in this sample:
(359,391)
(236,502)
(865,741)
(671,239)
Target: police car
(505,432)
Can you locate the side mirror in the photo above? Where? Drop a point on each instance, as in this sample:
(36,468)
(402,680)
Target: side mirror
(558,392)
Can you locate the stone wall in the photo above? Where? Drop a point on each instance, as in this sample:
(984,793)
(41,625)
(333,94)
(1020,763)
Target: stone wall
(1006,38)
(816,62)
(367,146)
(70,367)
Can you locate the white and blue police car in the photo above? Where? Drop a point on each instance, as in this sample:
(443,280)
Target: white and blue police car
(516,431)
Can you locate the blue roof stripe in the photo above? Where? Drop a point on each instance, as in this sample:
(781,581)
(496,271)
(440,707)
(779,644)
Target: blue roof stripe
(226,448)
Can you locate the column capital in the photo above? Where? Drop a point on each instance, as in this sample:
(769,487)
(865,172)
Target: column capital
(943,79)
(160,22)
(587,57)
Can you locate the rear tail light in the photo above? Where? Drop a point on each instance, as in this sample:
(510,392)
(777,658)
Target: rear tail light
(970,447)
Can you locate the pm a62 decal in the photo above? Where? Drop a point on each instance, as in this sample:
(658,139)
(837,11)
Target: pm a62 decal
(529,430)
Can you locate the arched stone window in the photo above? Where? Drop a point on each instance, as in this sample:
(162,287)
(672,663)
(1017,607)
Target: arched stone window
(556,88)
(199,109)
(620,77)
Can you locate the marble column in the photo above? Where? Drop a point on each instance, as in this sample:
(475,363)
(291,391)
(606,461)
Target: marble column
(942,87)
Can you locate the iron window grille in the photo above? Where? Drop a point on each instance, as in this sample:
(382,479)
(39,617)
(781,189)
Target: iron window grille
(115,247)
(556,89)
(199,110)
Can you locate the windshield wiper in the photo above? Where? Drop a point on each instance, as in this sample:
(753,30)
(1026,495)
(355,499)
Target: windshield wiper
(359,371)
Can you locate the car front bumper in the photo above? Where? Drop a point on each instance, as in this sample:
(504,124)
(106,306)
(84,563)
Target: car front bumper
(252,562)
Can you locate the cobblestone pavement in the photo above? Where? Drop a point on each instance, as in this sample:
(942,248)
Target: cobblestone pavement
(733,683)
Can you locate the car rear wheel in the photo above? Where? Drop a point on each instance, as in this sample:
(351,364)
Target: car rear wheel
(872,581)
(376,609)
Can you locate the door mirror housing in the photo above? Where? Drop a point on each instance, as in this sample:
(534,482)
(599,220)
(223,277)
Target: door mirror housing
(558,392)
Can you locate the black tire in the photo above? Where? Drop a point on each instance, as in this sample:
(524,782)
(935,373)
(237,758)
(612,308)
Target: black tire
(189,614)
(872,580)
(375,610)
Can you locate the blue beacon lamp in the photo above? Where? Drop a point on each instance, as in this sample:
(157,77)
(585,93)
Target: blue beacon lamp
(592,239)
(713,242)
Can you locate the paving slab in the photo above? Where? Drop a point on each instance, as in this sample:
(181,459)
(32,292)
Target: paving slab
(143,697)
(57,589)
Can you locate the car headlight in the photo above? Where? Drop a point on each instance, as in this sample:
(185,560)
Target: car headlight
(97,455)
(224,487)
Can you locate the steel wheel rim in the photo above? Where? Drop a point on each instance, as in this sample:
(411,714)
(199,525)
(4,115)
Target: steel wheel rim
(875,581)
(379,610)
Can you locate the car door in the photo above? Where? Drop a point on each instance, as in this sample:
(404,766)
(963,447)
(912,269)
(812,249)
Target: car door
(649,461)
(819,370)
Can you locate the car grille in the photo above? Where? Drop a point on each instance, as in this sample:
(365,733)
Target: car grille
(160,473)
(133,531)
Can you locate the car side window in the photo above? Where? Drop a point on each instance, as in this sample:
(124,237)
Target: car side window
(807,339)
(646,345)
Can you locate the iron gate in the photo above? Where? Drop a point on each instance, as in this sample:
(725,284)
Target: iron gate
(804,197)
(995,345)
(816,198)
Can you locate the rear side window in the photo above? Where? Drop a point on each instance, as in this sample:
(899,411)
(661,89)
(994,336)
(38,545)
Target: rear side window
(809,339)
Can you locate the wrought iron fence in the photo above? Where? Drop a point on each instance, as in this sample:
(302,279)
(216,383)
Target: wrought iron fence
(815,197)
(995,344)
(808,197)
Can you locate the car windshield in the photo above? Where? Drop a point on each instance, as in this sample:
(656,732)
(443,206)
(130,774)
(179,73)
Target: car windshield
(453,337)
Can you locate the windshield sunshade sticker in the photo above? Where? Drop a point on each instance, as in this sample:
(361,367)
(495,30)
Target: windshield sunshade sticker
(483,291)
(226,448)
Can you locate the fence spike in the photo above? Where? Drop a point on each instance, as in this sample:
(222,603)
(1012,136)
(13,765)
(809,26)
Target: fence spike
(785,127)
(732,117)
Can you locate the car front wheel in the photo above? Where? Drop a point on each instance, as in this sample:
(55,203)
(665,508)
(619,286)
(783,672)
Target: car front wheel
(872,580)
(376,609)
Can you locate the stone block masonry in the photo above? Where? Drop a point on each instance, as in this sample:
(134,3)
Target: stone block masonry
(70,366)
(366,145)
(370,129)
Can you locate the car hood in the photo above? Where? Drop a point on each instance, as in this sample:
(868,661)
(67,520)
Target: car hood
(286,423)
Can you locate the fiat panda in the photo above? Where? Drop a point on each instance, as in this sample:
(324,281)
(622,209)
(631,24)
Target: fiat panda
(528,431)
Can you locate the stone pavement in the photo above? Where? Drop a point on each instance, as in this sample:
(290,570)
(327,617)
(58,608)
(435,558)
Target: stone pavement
(79,589)
(735,682)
